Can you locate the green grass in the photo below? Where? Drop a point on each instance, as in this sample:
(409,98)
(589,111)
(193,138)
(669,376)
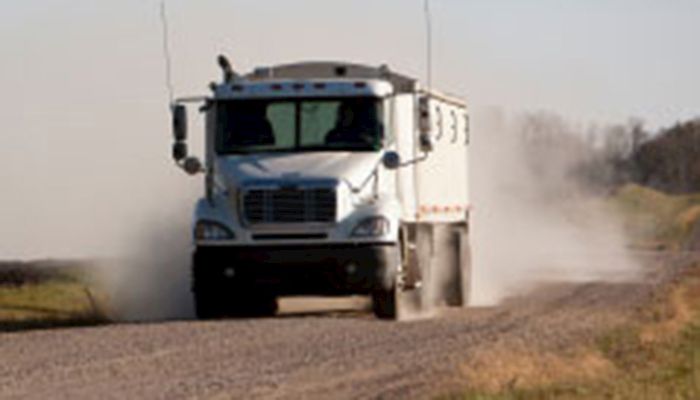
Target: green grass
(62,301)
(657,220)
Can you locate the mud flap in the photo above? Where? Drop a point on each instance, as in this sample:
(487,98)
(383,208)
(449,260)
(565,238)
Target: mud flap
(443,259)
(465,266)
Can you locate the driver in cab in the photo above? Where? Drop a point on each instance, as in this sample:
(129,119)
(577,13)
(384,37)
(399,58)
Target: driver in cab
(355,124)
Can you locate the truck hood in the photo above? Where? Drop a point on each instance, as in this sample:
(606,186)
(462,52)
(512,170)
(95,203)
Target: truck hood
(352,168)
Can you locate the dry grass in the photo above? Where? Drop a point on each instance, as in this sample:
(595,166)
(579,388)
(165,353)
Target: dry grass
(505,369)
(63,300)
(677,314)
(655,357)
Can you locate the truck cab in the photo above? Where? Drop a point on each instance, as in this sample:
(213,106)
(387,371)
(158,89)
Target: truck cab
(327,179)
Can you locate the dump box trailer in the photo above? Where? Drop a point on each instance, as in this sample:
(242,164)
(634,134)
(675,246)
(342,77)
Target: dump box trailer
(332,179)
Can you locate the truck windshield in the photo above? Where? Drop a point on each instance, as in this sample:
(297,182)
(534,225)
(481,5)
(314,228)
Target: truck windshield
(343,124)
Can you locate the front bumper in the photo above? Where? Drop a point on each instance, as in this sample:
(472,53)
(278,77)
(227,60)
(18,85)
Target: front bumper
(297,270)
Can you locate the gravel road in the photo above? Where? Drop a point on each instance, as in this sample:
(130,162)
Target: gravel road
(311,352)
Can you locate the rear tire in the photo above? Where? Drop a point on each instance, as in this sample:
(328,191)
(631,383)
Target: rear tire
(465,255)
(459,289)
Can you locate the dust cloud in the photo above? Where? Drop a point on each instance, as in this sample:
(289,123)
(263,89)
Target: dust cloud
(534,219)
(151,279)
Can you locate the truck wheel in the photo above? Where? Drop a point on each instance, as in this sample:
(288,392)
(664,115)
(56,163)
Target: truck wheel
(385,301)
(465,256)
(459,284)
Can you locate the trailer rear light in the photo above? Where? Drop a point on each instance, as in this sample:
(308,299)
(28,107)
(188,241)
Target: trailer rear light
(276,86)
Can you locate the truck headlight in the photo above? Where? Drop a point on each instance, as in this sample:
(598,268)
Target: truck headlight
(210,230)
(371,227)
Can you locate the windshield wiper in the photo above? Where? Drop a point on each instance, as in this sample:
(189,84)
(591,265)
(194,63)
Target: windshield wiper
(343,147)
(254,151)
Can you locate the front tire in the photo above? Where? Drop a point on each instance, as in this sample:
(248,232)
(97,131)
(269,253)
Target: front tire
(384,304)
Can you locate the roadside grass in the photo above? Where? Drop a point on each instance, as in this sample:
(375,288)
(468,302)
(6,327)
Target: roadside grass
(658,355)
(656,358)
(64,299)
(656,220)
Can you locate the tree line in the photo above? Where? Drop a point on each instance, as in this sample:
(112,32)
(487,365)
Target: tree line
(603,158)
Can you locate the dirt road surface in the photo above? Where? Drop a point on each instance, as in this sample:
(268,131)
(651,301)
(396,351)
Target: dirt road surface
(310,353)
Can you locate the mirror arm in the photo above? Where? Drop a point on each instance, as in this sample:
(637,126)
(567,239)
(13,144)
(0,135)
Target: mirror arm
(206,106)
(415,160)
(375,187)
(373,174)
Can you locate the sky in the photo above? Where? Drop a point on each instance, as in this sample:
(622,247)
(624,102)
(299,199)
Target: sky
(84,161)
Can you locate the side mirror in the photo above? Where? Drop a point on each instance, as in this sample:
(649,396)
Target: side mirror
(391,160)
(192,165)
(179,122)
(179,151)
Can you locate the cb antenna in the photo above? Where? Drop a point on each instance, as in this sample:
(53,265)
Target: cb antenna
(428,44)
(166,54)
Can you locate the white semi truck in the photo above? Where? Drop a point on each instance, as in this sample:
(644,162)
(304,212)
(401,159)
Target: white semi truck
(329,179)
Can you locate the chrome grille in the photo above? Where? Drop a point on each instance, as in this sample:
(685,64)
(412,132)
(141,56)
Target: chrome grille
(289,205)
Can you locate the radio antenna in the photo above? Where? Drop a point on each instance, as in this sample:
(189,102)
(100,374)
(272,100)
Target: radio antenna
(428,44)
(166,54)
